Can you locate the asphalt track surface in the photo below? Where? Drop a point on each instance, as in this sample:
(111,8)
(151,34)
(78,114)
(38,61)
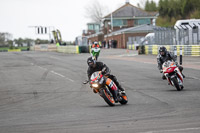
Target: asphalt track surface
(42,92)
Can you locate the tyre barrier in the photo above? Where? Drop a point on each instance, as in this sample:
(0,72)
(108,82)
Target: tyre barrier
(133,46)
(187,50)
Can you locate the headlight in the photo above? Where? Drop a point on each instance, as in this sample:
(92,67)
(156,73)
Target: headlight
(95,85)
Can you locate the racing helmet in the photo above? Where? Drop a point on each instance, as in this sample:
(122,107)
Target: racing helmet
(162,51)
(95,43)
(91,62)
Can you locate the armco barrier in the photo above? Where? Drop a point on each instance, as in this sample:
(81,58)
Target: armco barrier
(4,50)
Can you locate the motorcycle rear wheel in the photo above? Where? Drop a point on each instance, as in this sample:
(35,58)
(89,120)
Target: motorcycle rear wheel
(107,97)
(124,99)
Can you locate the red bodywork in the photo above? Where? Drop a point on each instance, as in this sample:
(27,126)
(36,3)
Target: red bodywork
(170,69)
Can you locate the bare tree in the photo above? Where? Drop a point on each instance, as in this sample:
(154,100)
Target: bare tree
(4,38)
(141,4)
(96,11)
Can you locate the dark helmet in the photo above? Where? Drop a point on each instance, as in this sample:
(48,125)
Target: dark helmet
(162,51)
(91,62)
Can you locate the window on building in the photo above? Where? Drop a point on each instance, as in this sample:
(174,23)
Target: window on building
(106,24)
(119,22)
(142,21)
(97,28)
(90,27)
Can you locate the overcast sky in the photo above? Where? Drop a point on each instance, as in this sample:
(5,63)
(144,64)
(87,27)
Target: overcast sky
(69,16)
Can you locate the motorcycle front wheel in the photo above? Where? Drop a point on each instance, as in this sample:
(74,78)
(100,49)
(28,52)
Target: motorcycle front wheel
(107,97)
(175,81)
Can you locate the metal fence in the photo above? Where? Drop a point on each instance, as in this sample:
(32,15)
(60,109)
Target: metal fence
(179,36)
(135,40)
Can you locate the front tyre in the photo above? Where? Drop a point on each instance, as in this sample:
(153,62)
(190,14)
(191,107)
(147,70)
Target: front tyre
(175,81)
(107,97)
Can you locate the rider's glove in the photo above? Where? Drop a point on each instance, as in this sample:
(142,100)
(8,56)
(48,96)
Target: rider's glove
(161,71)
(103,71)
(106,74)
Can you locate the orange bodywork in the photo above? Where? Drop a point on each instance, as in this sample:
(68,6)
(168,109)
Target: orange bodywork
(125,97)
(111,84)
(93,46)
(109,97)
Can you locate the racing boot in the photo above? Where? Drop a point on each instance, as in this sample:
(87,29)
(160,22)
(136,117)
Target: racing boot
(183,75)
(181,69)
(163,77)
(122,91)
(118,85)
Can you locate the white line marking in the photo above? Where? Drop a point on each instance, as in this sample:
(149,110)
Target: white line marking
(55,73)
(62,76)
(42,68)
(172,130)
(58,74)
(69,79)
(128,55)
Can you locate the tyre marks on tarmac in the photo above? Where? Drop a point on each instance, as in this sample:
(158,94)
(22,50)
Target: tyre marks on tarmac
(53,72)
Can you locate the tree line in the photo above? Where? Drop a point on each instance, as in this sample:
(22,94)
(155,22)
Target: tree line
(172,10)
(7,41)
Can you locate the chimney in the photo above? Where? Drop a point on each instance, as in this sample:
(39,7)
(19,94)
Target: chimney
(127,1)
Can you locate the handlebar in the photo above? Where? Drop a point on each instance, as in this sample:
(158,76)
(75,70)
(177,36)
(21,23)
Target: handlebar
(161,71)
(85,82)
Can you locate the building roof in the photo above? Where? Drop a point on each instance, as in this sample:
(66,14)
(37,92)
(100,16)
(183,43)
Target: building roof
(130,11)
(94,23)
(94,35)
(138,29)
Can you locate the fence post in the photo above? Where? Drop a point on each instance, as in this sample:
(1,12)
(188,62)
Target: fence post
(175,51)
(180,55)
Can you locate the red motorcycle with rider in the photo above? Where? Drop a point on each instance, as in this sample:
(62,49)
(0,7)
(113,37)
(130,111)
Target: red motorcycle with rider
(169,67)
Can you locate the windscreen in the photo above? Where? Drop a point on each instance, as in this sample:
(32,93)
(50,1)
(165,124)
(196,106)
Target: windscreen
(94,75)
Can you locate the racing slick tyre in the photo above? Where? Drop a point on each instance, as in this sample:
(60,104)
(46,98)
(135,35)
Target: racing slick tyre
(107,97)
(124,99)
(175,81)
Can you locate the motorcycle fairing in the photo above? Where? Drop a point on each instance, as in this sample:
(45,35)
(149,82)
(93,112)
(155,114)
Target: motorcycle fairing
(111,84)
